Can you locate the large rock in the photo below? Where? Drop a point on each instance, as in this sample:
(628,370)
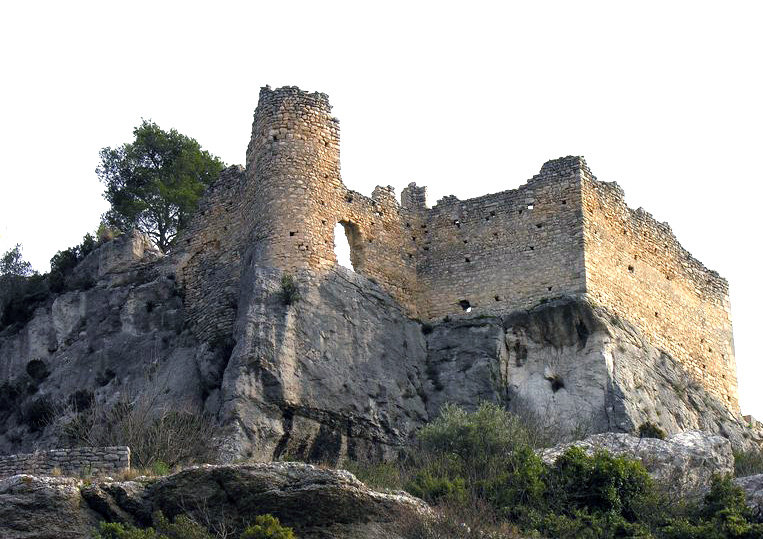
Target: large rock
(684,462)
(338,373)
(317,503)
(44,508)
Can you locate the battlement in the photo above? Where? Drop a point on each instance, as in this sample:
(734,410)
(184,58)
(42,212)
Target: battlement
(562,233)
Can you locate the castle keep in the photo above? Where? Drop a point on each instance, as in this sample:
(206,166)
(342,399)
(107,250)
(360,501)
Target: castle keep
(563,233)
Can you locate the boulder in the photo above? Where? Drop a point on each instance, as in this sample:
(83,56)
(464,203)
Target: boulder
(683,462)
(44,508)
(316,502)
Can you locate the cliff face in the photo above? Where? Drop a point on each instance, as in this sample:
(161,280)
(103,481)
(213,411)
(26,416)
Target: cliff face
(340,372)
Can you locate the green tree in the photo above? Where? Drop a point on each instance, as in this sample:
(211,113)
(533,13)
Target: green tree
(12,263)
(154,183)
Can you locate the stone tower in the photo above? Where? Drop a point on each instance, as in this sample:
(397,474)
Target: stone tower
(292,165)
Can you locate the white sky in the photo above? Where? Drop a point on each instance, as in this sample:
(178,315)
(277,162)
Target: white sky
(467,98)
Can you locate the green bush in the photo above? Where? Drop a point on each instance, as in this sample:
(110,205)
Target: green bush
(599,483)
(267,527)
(19,298)
(63,263)
(650,430)
(115,530)
(182,527)
(432,486)
(490,449)
(485,459)
(724,513)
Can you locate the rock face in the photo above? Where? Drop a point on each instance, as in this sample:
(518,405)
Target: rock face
(330,504)
(337,373)
(342,372)
(683,462)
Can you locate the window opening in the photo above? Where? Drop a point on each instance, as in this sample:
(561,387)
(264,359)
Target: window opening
(348,245)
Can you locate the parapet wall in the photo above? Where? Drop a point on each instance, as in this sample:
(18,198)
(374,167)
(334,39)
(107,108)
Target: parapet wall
(636,268)
(77,461)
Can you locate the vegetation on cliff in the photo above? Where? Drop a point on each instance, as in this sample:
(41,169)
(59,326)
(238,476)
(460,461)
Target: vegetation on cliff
(154,183)
(480,469)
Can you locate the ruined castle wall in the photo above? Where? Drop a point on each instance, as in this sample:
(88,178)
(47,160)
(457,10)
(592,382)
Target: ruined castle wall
(636,268)
(505,251)
(561,234)
(75,461)
(209,253)
(298,197)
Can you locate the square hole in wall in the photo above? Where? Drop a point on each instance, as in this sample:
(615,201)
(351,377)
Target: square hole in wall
(530,206)
(292,233)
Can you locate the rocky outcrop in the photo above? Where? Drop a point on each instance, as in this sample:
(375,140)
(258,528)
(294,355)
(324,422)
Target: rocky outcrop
(343,372)
(44,508)
(330,504)
(120,336)
(683,463)
(338,373)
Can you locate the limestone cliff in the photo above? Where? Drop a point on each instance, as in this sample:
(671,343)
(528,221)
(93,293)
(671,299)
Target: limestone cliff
(340,372)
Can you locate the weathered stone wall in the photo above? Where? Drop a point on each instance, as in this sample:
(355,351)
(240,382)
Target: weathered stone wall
(76,461)
(298,197)
(561,234)
(636,268)
(209,257)
(506,251)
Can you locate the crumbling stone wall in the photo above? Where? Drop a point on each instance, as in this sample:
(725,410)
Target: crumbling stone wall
(76,461)
(507,251)
(298,197)
(563,233)
(209,257)
(636,268)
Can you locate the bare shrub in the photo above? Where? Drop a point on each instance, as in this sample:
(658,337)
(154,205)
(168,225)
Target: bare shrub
(158,434)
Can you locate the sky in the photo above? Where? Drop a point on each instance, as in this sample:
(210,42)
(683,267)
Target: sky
(467,98)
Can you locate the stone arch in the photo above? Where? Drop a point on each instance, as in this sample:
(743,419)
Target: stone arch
(354,243)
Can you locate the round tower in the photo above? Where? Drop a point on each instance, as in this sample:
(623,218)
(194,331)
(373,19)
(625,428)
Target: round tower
(293,179)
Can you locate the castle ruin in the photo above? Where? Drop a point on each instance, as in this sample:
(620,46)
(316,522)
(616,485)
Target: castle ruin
(563,233)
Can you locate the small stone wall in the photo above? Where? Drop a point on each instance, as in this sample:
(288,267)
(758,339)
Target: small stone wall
(77,461)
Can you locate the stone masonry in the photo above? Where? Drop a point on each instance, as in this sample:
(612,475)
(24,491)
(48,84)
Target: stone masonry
(76,461)
(563,233)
